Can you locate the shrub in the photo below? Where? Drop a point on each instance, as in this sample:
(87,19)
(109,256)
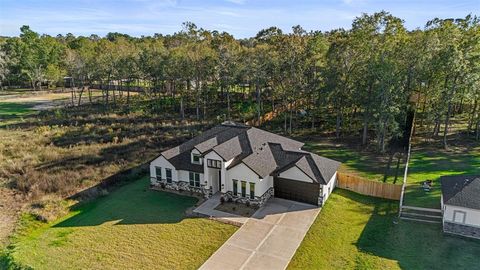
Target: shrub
(222,200)
(49,208)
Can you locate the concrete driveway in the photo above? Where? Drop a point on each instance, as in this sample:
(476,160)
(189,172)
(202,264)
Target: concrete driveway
(268,240)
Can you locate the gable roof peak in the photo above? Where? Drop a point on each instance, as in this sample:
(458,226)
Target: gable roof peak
(233,124)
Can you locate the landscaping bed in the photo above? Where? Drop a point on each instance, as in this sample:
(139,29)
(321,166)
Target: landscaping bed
(239,209)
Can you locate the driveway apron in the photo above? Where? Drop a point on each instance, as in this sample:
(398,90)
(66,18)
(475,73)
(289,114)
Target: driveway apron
(268,240)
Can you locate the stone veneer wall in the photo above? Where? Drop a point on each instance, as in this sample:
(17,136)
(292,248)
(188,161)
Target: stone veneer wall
(257,202)
(183,186)
(461,229)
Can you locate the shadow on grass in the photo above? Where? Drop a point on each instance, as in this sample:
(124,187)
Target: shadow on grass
(413,245)
(10,110)
(365,162)
(430,164)
(134,203)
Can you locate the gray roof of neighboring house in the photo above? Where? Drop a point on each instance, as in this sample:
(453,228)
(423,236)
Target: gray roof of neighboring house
(263,152)
(461,190)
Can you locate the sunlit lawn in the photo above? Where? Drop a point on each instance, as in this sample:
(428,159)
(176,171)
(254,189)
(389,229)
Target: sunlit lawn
(366,164)
(131,228)
(12,109)
(430,164)
(358,232)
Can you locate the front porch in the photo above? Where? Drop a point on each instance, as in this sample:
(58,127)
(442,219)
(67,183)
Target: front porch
(179,186)
(207,208)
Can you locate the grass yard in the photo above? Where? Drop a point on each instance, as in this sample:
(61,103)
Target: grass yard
(131,228)
(14,109)
(429,163)
(355,160)
(358,232)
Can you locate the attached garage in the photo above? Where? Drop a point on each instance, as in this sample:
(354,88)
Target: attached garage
(296,190)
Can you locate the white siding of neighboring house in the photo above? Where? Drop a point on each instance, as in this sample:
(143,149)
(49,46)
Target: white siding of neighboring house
(243,173)
(472,216)
(163,163)
(329,187)
(295,173)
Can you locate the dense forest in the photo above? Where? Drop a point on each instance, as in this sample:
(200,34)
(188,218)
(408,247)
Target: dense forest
(360,81)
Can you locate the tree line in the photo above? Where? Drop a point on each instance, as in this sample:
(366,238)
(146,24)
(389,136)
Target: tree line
(361,81)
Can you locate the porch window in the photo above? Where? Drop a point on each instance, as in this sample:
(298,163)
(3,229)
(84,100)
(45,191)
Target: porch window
(158,173)
(168,175)
(252,191)
(244,189)
(194,179)
(235,187)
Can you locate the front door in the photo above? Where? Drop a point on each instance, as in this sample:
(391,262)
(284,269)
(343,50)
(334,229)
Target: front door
(220,180)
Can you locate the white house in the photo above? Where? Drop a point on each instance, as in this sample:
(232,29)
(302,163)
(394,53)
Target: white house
(461,205)
(245,164)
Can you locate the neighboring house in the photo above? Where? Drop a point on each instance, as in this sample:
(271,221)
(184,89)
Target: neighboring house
(461,205)
(245,164)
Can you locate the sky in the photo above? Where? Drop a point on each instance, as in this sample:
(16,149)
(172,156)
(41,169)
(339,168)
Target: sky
(242,18)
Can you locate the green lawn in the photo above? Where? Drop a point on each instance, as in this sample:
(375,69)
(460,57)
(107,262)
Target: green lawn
(131,228)
(358,232)
(14,109)
(430,164)
(355,160)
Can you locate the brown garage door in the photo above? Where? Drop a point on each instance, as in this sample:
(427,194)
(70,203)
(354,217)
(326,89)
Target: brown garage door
(296,190)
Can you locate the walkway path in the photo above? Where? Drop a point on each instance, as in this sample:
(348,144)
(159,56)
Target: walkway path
(268,240)
(208,209)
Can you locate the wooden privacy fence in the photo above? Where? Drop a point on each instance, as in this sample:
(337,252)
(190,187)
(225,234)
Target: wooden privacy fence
(368,187)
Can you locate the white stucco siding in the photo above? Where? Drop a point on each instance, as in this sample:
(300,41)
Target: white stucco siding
(295,173)
(241,172)
(163,163)
(328,188)
(472,216)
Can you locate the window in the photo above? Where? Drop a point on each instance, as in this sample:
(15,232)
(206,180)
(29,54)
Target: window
(168,175)
(235,187)
(212,163)
(244,189)
(158,173)
(459,216)
(194,179)
(196,159)
(252,191)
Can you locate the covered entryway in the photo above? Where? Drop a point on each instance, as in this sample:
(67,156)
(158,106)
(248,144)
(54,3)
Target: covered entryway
(296,190)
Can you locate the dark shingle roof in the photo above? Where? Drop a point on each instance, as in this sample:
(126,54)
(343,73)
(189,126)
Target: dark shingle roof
(461,190)
(264,152)
(319,169)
